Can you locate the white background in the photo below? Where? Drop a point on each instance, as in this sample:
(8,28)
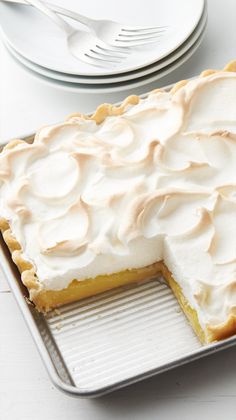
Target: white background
(201,390)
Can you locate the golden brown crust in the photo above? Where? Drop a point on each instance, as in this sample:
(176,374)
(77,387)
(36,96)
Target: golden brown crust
(28,274)
(221,331)
(27,270)
(105,110)
(12,144)
(4,225)
(178,85)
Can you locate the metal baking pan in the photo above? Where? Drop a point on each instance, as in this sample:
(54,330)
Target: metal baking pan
(111,340)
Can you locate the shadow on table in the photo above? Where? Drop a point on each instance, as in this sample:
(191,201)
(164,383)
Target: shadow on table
(199,381)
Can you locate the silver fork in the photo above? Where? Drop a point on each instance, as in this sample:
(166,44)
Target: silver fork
(112,33)
(82,45)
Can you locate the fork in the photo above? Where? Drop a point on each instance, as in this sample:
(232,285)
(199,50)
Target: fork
(111,33)
(114,33)
(81,44)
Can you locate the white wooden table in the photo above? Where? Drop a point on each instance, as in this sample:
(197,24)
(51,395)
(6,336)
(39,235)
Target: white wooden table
(201,390)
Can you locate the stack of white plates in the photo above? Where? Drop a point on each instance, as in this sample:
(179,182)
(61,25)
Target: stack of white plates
(38,45)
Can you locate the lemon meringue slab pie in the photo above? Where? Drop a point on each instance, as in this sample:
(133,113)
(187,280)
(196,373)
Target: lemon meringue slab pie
(144,188)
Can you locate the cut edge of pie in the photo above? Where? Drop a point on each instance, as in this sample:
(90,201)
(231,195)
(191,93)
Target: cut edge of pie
(46,300)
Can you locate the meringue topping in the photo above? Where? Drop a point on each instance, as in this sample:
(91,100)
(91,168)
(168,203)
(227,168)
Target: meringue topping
(157,182)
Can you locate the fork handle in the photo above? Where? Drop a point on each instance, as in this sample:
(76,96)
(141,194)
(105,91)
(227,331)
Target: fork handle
(38,4)
(71,14)
(58,9)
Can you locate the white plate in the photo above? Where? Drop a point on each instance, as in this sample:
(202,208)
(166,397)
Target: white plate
(36,38)
(124,77)
(113,87)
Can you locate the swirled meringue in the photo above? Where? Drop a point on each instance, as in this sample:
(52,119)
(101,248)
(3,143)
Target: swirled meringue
(157,182)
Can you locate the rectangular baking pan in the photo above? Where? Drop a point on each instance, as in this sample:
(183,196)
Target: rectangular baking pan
(111,340)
